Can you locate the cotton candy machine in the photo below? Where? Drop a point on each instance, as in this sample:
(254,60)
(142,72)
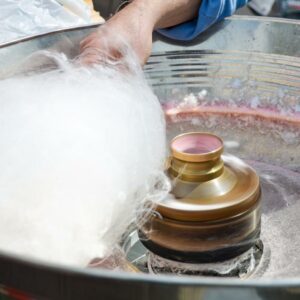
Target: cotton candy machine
(241,82)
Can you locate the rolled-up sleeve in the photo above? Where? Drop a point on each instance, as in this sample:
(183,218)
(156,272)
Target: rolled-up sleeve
(210,12)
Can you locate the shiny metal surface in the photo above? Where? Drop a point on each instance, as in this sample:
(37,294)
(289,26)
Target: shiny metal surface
(234,191)
(215,211)
(197,147)
(263,50)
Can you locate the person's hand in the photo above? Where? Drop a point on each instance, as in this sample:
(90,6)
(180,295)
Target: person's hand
(129,30)
(132,28)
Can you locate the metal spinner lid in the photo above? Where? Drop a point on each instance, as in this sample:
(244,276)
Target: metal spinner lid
(213,212)
(206,186)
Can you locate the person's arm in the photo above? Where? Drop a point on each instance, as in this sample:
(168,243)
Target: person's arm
(136,22)
(168,13)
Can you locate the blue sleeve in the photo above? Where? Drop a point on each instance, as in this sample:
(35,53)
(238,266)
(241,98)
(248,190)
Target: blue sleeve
(210,12)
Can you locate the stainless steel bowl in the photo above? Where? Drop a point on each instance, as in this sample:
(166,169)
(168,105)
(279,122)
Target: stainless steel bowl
(234,62)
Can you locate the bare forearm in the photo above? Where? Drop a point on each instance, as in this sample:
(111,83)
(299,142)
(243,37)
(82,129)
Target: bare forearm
(135,24)
(166,13)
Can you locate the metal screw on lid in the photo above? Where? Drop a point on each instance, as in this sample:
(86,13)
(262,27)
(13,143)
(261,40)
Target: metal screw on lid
(214,211)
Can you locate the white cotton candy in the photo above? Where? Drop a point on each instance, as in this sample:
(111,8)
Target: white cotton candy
(80,151)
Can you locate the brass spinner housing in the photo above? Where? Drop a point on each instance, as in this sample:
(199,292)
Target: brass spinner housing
(214,213)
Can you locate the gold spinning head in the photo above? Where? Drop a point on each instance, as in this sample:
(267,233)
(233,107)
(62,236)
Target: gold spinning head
(213,212)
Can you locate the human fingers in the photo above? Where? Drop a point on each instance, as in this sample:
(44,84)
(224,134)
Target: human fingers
(90,56)
(88,40)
